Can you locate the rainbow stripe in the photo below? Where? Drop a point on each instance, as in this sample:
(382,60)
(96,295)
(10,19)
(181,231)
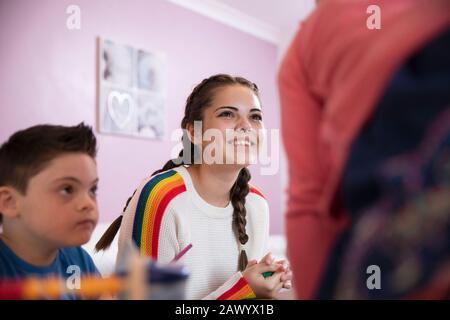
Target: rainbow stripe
(153,201)
(253,189)
(241,290)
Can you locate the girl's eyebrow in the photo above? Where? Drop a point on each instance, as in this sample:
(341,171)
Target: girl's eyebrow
(236,109)
(228,107)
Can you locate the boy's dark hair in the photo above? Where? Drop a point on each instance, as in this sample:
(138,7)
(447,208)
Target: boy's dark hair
(28,151)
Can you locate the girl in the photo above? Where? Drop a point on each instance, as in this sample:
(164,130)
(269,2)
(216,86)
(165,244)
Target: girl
(208,202)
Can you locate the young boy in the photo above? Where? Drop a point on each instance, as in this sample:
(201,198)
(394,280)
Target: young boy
(48,206)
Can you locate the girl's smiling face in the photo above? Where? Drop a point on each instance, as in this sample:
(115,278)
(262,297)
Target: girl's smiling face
(231,126)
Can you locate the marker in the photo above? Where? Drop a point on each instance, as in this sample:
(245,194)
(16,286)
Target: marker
(182,253)
(267,274)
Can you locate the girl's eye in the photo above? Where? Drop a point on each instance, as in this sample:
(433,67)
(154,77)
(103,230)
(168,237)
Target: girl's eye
(256,117)
(226,114)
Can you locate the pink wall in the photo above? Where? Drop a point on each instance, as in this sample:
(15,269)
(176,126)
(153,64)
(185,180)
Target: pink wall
(48,75)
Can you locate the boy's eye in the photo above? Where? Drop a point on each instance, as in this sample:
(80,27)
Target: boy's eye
(67,190)
(256,117)
(94,191)
(226,114)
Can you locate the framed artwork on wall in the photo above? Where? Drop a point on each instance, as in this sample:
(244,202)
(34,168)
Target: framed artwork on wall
(131,91)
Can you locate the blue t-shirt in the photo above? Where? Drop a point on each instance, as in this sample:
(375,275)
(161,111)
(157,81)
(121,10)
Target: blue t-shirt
(68,262)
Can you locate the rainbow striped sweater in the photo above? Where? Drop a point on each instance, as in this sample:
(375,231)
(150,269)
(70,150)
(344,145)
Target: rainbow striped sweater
(166,214)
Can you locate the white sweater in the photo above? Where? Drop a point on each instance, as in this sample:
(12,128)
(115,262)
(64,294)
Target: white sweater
(166,214)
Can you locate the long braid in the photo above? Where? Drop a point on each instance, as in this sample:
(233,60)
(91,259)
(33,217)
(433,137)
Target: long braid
(238,193)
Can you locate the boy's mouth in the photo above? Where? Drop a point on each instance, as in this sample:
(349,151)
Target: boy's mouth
(89,223)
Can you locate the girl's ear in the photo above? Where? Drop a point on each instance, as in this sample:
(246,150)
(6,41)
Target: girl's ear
(191,134)
(9,202)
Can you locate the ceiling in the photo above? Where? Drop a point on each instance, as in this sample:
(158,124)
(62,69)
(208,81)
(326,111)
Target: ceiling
(283,14)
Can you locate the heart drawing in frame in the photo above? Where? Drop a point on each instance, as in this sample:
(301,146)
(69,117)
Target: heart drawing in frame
(120,108)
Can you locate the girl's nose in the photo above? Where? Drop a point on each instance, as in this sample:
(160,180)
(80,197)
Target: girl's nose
(244,125)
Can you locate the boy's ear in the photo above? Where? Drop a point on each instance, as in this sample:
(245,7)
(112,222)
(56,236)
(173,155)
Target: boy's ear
(9,202)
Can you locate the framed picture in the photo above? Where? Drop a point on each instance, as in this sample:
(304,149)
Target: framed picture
(131,91)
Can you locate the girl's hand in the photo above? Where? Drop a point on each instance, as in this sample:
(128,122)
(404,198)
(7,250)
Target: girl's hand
(266,288)
(284,267)
(286,277)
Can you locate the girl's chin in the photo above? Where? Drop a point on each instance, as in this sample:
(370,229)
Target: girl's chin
(241,164)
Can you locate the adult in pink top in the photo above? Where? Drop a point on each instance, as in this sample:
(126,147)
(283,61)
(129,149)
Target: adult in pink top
(330,80)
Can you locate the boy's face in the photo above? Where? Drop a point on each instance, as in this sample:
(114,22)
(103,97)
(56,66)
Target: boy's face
(60,205)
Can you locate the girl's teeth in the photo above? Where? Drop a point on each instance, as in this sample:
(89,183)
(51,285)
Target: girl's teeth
(241,143)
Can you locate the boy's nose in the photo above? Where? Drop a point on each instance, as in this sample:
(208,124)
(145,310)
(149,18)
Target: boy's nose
(87,203)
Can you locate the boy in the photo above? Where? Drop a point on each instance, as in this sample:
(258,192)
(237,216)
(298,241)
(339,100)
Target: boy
(48,206)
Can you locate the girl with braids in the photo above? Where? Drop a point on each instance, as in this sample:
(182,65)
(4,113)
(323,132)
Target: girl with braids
(209,205)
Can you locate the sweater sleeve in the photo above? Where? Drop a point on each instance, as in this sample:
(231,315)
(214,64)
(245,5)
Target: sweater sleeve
(307,234)
(235,288)
(149,222)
